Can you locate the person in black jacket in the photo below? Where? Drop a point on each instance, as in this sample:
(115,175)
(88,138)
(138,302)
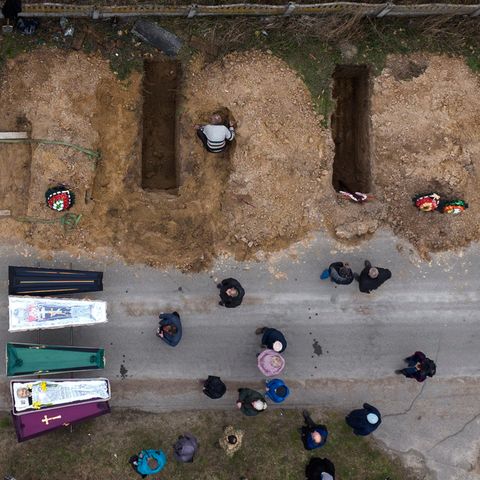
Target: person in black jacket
(364,420)
(231,293)
(320,469)
(372,277)
(419,367)
(272,339)
(214,387)
(11,9)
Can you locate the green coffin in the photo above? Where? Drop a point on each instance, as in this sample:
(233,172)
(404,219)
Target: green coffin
(28,358)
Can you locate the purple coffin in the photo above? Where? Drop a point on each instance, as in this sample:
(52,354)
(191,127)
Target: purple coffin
(31,425)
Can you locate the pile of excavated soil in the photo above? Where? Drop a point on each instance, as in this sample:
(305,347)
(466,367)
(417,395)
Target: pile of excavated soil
(268,190)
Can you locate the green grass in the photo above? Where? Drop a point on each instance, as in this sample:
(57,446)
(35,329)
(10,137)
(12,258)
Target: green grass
(272,448)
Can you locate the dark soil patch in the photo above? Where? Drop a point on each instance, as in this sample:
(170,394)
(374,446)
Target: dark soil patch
(350,127)
(159,122)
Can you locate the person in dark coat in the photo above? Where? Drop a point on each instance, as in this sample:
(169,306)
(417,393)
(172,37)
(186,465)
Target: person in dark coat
(214,387)
(272,339)
(372,277)
(340,273)
(320,469)
(419,367)
(313,435)
(170,328)
(364,420)
(250,402)
(11,9)
(185,448)
(231,293)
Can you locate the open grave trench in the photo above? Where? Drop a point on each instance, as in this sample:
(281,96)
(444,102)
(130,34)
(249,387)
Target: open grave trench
(350,123)
(160,92)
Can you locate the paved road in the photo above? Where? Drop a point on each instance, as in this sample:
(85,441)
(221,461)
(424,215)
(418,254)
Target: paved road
(343,345)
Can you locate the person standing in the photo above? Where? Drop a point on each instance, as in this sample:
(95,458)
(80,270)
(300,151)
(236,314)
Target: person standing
(270,363)
(339,273)
(364,420)
(313,435)
(320,469)
(372,277)
(231,441)
(231,293)
(148,462)
(170,328)
(185,448)
(272,339)
(250,402)
(215,135)
(419,367)
(214,387)
(277,391)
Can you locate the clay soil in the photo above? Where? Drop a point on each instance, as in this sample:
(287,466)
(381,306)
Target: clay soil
(274,184)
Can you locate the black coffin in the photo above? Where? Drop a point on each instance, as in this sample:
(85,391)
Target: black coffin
(52,281)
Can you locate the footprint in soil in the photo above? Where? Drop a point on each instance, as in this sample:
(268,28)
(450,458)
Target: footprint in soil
(123,371)
(317,348)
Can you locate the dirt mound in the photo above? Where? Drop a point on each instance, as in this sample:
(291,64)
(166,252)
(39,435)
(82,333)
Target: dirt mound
(426,139)
(270,188)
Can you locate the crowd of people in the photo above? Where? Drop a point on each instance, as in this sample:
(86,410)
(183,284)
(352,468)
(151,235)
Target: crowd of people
(271,363)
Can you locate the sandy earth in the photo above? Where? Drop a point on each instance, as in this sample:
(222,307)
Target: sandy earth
(270,189)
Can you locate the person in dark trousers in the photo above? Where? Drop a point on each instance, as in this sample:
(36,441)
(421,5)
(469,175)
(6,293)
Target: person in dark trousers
(364,420)
(340,273)
(11,9)
(372,277)
(215,135)
(231,293)
(320,469)
(419,367)
(313,435)
(214,387)
(170,328)
(250,402)
(272,339)
(185,448)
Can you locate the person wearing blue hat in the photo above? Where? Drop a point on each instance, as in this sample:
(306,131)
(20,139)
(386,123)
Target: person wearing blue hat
(364,420)
(277,391)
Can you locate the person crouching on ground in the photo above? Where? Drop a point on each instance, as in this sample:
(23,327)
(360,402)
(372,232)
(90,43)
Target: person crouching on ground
(313,435)
(364,420)
(372,277)
(170,328)
(250,402)
(215,135)
(231,293)
(419,367)
(339,273)
(148,462)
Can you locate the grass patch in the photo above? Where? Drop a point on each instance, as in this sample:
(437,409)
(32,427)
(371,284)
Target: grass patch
(271,449)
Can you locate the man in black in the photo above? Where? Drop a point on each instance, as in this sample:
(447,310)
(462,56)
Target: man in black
(372,277)
(11,9)
(231,293)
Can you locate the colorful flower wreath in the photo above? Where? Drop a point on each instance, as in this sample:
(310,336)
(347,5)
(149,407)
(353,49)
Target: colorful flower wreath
(59,198)
(454,207)
(428,202)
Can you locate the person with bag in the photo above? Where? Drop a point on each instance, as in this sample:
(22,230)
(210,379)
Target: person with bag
(339,273)
(214,387)
(250,402)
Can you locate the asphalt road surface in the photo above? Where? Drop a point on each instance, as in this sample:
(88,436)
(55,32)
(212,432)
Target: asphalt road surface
(343,346)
